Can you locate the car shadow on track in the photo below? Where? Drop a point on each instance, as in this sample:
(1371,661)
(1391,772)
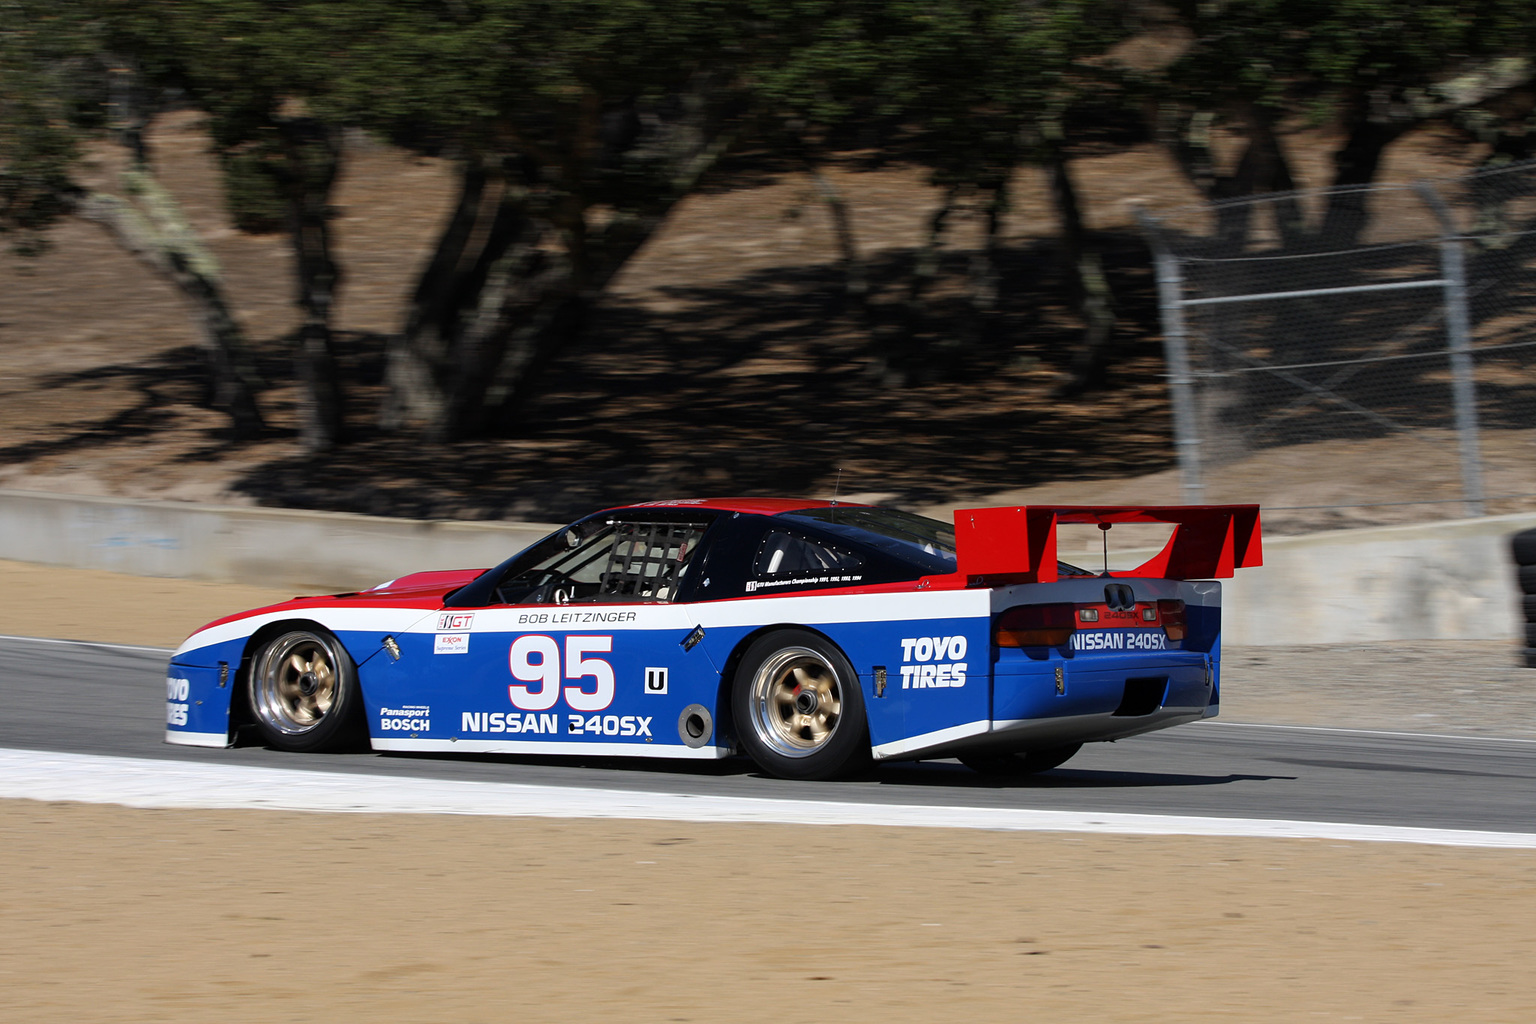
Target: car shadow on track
(935,774)
(930,773)
(738,766)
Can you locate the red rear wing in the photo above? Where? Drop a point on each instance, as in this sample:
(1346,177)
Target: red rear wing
(1019,543)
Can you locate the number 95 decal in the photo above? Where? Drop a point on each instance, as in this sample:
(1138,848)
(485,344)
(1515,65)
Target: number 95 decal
(535,658)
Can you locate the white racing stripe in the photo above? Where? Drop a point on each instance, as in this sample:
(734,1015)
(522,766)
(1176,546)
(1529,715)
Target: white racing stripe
(134,782)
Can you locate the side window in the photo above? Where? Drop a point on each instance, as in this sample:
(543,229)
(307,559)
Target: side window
(648,560)
(788,559)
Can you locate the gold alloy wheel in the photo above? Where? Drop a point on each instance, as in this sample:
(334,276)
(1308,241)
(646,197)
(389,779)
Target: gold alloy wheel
(295,683)
(796,701)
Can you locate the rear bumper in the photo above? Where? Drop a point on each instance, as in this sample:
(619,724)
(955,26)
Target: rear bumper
(1055,701)
(1128,686)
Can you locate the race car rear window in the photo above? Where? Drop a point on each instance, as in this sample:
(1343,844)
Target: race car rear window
(783,553)
(917,540)
(914,539)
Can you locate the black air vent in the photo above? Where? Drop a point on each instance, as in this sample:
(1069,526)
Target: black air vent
(1142,696)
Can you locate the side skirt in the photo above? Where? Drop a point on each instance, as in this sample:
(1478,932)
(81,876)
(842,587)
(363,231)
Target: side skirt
(1031,733)
(913,745)
(198,739)
(538,747)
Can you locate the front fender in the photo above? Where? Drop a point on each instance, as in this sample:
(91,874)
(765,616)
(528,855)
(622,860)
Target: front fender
(198,689)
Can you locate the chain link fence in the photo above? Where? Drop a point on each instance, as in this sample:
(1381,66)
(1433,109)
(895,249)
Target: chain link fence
(1387,332)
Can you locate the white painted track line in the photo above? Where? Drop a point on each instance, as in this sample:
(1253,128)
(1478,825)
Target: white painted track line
(167,651)
(136,782)
(1471,736)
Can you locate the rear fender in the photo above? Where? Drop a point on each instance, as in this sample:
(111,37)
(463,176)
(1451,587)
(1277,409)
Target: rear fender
(725,721)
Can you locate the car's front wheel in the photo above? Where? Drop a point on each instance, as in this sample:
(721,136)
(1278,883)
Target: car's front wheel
(1028,763)
(303,692)
(798,708)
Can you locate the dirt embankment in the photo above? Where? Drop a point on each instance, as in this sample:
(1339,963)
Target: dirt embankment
(723,360)
(108,607)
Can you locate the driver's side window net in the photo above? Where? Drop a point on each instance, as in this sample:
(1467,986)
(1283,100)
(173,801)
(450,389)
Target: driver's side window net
(648,560)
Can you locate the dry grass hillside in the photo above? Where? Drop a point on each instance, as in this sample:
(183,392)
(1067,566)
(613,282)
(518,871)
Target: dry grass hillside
(724,359)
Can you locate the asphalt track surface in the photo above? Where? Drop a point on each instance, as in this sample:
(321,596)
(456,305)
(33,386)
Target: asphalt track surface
(100,699)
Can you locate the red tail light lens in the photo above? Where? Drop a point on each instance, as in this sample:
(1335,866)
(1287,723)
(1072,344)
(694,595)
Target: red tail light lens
(1175,622)
(1034,625)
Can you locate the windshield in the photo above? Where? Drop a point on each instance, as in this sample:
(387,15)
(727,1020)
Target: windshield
(914,539)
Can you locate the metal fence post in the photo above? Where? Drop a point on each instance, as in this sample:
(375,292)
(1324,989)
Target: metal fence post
(1458,332)
(1170,301)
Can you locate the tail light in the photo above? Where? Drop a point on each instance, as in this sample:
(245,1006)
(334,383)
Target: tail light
(1034,625)
(1175,622)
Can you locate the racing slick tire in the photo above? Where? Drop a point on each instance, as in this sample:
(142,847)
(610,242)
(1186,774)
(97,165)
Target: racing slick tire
(1026,763)
(1523,544)
(303,692)
(1528,578)
(798,708)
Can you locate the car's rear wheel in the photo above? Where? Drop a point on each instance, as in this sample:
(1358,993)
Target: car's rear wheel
(1027,763)
(798,708)
(303,692)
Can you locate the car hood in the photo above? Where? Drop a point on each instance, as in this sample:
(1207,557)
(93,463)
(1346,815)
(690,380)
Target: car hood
(424,590)
(436,583)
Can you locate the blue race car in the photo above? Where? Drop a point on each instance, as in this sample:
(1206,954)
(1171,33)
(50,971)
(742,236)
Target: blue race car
(811,636)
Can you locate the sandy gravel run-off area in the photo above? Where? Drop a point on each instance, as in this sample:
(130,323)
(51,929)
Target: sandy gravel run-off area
(114,914)
(111,914)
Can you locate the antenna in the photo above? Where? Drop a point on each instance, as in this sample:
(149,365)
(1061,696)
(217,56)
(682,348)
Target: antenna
(836,486)
(1104,533)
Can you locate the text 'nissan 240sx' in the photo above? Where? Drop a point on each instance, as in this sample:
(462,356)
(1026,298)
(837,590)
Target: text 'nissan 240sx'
(813,637)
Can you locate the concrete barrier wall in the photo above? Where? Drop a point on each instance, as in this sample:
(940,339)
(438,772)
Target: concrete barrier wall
(1438,581)
(1444,581)
(276,547)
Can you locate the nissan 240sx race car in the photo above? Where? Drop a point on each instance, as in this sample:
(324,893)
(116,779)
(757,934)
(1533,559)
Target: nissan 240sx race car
(812,636)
